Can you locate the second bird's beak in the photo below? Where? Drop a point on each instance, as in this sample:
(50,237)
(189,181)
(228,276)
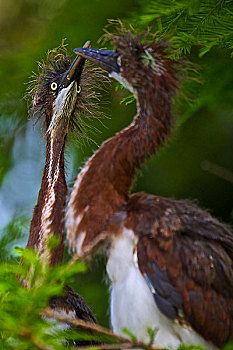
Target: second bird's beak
(104,58)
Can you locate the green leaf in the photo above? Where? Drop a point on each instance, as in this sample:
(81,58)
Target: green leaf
(130,334)
(119,86)
(152,333)
(127,100)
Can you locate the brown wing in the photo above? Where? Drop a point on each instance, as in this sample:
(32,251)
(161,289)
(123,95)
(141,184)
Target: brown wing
(186,256)
(72,304)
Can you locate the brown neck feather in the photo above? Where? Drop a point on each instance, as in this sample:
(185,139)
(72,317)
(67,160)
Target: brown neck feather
(106,184)
(48,215)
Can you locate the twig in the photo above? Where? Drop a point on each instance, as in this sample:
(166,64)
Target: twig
(217,170)
(114,346)
(35,341)
(128,345)
(40,345)
(80,323)
(125,342)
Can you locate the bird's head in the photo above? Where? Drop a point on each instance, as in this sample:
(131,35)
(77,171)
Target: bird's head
(62,91)
(133,63)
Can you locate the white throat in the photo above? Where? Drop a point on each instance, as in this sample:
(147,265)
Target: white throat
(123,81)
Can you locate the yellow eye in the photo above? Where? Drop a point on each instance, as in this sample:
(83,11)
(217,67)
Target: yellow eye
(79,89)
(54,86)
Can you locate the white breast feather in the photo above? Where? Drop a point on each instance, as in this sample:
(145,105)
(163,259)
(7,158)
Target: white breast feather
(46,217)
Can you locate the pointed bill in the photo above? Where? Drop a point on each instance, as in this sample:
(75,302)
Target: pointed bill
(76,68)
(65,101)
(104,58)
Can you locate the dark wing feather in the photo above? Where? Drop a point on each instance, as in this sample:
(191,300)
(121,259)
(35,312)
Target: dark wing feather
(167,297)
(71,303)
(186,256)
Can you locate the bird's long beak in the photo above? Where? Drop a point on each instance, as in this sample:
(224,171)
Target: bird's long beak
(64,103)
(103,58)
(75,70)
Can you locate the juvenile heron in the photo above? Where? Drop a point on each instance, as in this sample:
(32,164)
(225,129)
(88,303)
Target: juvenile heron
(58,95)
(169,262)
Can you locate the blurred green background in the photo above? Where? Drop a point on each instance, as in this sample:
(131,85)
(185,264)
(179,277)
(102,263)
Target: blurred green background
(197,163)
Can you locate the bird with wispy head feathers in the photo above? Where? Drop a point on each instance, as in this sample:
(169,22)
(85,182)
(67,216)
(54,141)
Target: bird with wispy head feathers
(170,263)
(61,93)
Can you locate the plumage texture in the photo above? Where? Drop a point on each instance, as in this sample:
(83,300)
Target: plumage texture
(184,256)
(73,306)
(48,216)
(119,157)
(72,302)
(188,258)
(52,199)
(133,298)
(40,97)
(49,212)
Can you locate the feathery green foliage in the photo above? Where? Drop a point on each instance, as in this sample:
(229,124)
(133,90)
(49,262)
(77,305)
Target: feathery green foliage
(193,28)
(202,23)
(11,235)
(26,287)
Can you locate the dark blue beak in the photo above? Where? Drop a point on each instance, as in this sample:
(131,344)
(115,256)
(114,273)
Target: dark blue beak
(104,58)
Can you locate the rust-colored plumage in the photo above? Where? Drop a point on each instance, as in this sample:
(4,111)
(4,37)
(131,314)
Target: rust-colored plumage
(60,94)
(179,251)
(115,163)
(187,255)
(48,216)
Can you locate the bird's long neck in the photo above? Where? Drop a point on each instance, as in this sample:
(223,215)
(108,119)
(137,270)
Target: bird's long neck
(149,129)
(48,215)
(128,150)
(103,186)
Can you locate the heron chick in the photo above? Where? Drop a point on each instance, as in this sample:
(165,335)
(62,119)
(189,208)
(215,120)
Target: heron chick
(170,263)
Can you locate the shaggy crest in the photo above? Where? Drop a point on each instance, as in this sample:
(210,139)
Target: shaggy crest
(39,92)
(126,39)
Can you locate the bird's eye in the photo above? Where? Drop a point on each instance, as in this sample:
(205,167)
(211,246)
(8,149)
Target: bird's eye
(54,86)
(79,89)
(119,60)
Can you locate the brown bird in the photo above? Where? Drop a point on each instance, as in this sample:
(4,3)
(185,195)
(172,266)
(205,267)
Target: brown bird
(58,95)
(169,262)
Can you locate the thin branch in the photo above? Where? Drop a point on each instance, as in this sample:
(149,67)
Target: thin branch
(40,345)
(128,345)
(125,342)
(217,170)
(36,342)
(80,323)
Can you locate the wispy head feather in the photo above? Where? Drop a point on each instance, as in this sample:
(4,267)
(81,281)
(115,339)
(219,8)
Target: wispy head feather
(41,97)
